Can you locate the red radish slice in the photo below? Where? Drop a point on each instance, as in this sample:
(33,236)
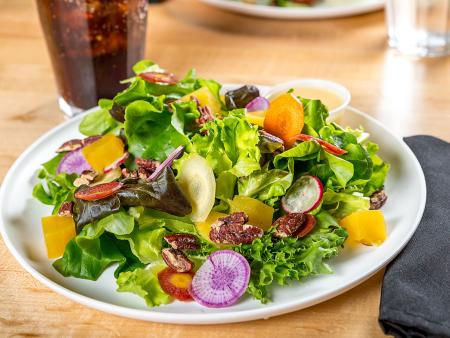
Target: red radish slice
(258,104)
(327,146)
(121,160)
(304,195)
(176,284)
(167,163)
(73,163)
(306,227)
(221,280)
(98,192)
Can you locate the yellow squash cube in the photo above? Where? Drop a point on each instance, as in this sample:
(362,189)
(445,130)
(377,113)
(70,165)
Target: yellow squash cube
(259,214)
(367,227)
(103,152)
(58,231)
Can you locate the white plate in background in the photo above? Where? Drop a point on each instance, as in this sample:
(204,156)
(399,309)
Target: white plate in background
(322,10)
(20,227)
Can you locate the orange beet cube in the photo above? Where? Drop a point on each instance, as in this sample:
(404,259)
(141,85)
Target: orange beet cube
(58,231)
(103,152)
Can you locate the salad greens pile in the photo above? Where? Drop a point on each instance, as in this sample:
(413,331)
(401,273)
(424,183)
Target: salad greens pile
(154,119)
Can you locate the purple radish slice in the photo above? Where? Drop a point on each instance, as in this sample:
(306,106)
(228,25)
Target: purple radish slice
(167,162)
(257,104)
(304,195)
(221,280)
(73,163)
(121,160)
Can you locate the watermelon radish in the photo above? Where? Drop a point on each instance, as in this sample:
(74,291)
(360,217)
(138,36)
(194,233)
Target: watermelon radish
(221,280)
(73,163)
(304,195)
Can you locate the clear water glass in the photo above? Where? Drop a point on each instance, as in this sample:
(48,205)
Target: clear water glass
(419,27)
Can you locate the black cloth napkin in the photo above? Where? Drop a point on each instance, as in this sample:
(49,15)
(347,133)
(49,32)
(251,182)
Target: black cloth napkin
(415,297)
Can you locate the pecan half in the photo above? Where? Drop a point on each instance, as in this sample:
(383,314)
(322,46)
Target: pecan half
(87,177)
(233,230)
(66,209)
(76,144)
(288,224)
(70,146)
(205,113)
(147,164)
(176,260)
(377,199)
(182,241)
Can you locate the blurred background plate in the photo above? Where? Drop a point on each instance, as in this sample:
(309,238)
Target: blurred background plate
(323,9)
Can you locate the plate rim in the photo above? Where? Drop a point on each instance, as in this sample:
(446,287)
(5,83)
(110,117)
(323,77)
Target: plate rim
(211,317)
(312,13)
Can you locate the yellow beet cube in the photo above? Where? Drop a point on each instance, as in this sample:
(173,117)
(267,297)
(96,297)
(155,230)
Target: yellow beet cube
(367,227)
(204,228)
(103,152)
(58,231)
(258,213)
(256,117)
(206,98)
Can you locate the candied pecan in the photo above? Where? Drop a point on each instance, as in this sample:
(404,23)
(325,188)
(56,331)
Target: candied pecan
(150,165)
(70,146)
(66,209)
(288,224)
(377,199)
(176,260)
(205,113)
(87,177)
(129,174)
(233,230)
(90,139)
(182,241)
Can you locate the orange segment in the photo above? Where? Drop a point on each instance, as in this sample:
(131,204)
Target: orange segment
(285,118)
(103,152)
(58,231)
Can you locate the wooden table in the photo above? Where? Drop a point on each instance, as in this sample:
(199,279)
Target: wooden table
(410,96)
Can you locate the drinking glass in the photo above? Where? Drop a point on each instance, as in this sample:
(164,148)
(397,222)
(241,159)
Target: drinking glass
(419,27)
(92,45)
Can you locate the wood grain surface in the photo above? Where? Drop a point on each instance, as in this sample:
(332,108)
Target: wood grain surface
(410,96)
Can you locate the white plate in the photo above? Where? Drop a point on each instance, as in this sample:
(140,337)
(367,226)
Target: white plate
(323,9)
(20,226)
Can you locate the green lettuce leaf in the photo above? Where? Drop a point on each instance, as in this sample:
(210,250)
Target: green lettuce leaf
(150,132)
(315,114)
(88,264)
(98,122)
(144,283)
(379,171)
(230,144)
(280,261)
(342,169)
(343,204)
(301,152)
(54,189)
(266,185)
(146,243)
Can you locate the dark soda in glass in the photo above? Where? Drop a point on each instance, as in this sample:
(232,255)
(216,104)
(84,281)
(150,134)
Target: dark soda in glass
(92,44)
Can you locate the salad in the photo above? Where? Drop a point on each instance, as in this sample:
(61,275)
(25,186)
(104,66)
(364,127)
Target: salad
(198,196)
